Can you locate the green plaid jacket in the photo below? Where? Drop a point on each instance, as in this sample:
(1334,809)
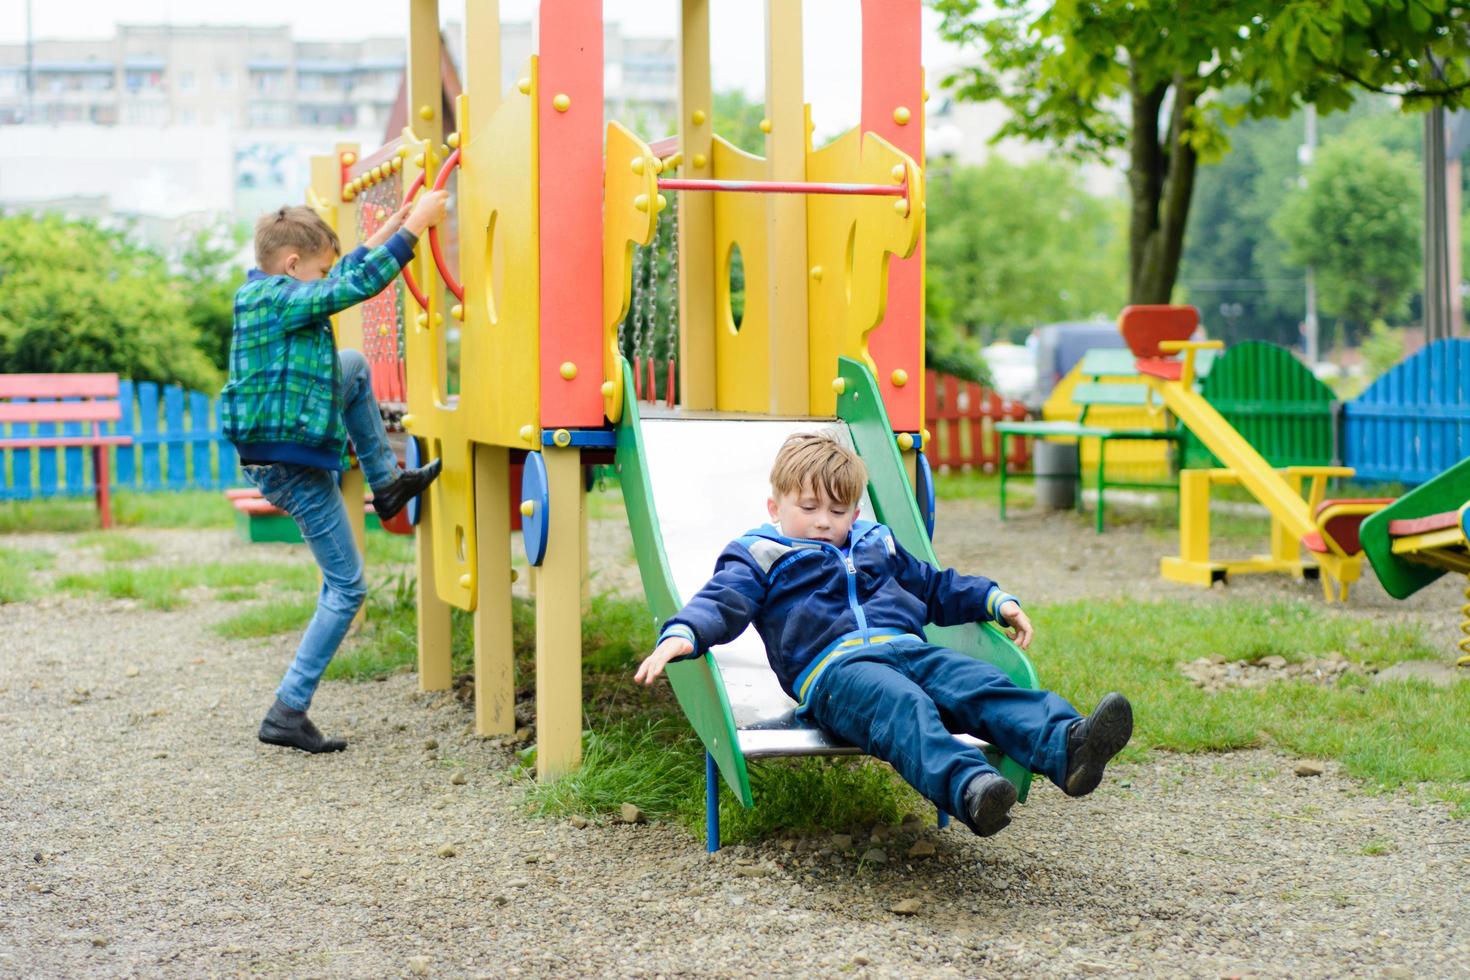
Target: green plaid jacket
(282,402)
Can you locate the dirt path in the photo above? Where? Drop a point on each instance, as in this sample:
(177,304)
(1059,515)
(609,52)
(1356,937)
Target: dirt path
(144,831)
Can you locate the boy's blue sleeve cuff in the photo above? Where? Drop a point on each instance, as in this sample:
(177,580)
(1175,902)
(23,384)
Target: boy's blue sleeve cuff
(682,631)
(995,597)
(401,246)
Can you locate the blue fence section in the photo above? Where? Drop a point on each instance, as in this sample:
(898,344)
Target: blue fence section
(1413,423)
(176,446)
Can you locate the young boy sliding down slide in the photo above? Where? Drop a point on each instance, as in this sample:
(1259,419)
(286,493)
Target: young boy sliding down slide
(841,609)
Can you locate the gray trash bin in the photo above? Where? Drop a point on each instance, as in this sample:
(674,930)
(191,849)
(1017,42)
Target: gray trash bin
(1056,465)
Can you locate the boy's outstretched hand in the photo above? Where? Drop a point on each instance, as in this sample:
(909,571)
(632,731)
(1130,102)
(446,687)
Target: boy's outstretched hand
(428,210)
(390,224)
(653,664)
(1013,616)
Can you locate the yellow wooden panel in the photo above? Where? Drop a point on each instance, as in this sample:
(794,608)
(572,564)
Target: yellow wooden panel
(697,321)
(559,621)
(786,217)
(499,396)
(629,217)
(1127,460)
(849,240)
(742,352)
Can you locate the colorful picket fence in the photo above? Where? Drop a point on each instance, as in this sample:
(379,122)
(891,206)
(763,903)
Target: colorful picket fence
(176,446)
(1273,401)
(961,418)
(1413,423)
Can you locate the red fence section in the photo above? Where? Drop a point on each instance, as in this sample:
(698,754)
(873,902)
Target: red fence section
(961,417)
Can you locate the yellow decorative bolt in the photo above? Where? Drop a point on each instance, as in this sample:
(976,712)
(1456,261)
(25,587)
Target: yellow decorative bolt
(438,319)
(515,576)
(457,311)
(817,273)
(528,508)
(349,158)
(765,125)
(396,164)
(700,160)
(900,377)
(608,388)
(926,93)
(523,85)
(901,205)
(927,437)
(899,172)
(638,166)
(568,370)
(465,581)
(905,441)
(383,331)
(839,385)
(421,321)
(453,140)
(697,117)
(641,202)
(663,202)
(418,161)
(562,438)
(562,102)
(348,195)
(426,112)
(674,161)
(901,115)
(408,422)
(528,433)
(658,165)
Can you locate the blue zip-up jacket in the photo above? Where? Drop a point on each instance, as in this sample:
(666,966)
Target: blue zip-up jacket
(809,599)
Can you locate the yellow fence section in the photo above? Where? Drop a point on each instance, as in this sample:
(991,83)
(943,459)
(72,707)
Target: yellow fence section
(1127,460)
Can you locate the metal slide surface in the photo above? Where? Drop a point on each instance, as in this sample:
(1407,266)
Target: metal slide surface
(1232,449)
(711,476)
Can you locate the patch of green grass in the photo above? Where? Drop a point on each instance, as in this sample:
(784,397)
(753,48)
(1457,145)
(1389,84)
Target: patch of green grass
(235,595)
(116,547)
(1390,735)
(975,485)
(162,587)
(389,549)
(267,620)
(16,566)
(187,509)
(1378,847)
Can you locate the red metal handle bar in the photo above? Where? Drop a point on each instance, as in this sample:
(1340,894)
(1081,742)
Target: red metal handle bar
(448,277)
(408,280)
(783,187)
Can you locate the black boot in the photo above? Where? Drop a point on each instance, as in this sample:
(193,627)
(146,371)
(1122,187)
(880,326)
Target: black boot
(988,800)
(408,485)
(1094,740)
(286,726)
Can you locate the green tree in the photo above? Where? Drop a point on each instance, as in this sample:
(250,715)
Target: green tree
(1096,77)
(1052,252)
(738,120)
(210,278)
(75,297)
(1357,223)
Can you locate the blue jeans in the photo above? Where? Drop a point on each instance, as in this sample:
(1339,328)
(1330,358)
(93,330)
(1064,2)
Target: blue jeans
(311,496)
(900,701)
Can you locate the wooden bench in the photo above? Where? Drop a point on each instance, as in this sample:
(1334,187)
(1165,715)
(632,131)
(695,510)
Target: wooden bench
(67,399)
(1106,384)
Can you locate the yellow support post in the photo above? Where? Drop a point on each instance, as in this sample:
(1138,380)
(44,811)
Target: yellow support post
(1192,566)
(435,673)
(559,620)
(495,691)
(786,214)
(696,213)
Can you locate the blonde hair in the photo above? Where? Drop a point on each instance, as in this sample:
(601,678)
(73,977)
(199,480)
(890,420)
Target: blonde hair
(816,461)
(298,228)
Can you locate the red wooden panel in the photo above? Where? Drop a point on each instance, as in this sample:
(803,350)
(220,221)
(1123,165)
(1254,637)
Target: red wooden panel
(893,77)
(570,166)
(58,385)
(60,411)
(1144,326)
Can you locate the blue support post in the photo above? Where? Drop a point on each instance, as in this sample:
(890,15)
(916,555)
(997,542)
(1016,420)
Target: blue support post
(711,804)
(943,818)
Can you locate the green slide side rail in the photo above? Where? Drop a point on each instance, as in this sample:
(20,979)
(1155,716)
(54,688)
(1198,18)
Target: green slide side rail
(861,407)
(696,682)
(1401,578)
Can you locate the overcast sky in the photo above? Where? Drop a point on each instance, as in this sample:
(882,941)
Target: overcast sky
(832,34)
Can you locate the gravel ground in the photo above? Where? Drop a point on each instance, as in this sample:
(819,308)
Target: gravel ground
(144,831)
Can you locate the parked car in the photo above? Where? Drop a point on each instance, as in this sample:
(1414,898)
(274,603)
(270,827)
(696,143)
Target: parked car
(1059,346)
(1012,369)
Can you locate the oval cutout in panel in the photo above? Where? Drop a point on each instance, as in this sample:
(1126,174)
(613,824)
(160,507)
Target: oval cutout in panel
(734,288)
(493,275)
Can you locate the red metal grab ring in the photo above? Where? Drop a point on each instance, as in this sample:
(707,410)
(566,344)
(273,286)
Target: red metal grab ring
(448,277)
(408,280)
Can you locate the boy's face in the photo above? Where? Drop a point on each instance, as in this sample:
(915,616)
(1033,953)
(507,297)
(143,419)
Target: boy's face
(302,268)
(811,514)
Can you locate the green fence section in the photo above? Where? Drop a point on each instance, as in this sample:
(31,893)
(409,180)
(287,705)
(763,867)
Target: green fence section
(1273,401)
